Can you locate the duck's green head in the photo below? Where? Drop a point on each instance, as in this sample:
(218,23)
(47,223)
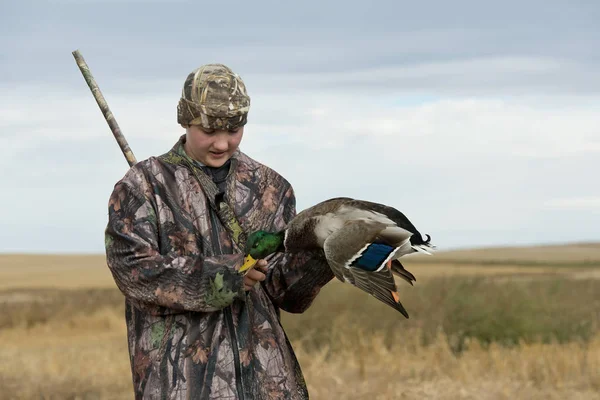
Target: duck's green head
(261,244)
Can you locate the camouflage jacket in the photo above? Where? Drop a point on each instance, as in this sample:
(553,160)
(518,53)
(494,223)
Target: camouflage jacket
(193,332)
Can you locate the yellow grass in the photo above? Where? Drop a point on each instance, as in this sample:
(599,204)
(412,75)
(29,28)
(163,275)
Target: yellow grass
(82,357)
(424,271)
(87,356)
(54,271)
(411,371)
(81,271)
(70,354)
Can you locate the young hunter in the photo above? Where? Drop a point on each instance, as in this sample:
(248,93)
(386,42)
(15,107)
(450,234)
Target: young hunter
(177,223)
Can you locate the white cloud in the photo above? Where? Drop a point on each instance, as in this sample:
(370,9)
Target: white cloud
(574,203)
(465,75)
(491,67)
(436,131)
(469,171)
(439,130)
(479,122)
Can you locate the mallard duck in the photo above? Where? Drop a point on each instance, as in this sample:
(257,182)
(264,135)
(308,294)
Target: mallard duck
(362,242)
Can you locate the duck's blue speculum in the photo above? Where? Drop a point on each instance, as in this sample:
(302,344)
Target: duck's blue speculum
(373,256)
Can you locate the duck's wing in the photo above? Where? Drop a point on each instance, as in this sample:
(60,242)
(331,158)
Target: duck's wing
(380,285)
(371,240)
(357,255)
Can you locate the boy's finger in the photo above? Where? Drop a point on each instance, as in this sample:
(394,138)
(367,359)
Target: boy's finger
(255,275)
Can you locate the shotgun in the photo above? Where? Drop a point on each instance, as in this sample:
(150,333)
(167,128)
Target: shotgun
(108,115)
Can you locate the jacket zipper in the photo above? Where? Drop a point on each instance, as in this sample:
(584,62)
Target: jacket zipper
(229,321)
(227,310)
(236,354)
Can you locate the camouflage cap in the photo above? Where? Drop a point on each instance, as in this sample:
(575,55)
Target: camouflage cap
(213,97)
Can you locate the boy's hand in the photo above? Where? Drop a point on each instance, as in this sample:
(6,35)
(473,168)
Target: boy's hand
(255,275)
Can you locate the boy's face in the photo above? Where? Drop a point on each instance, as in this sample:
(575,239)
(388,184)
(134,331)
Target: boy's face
(212,148)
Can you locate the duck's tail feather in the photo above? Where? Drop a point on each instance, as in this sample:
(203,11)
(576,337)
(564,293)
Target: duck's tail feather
(398,269)
(423,249)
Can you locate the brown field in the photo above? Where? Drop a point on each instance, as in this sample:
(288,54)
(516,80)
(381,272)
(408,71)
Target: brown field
(572,253)
(54,271)
(510,323)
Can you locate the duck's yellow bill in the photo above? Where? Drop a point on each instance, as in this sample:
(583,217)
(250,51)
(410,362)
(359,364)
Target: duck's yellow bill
(249,263)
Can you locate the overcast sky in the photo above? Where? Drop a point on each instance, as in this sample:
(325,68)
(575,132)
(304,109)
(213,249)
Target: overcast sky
(479,120)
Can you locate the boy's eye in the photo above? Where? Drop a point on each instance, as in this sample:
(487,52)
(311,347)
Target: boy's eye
(236,130)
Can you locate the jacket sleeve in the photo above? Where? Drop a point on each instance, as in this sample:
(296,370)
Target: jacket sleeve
(167,283)
(295,279)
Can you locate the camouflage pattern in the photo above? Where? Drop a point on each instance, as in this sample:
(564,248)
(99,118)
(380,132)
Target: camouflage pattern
(213,97)
(211,191)
(193,332)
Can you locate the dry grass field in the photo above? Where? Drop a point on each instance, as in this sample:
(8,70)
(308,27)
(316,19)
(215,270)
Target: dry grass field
(504,323)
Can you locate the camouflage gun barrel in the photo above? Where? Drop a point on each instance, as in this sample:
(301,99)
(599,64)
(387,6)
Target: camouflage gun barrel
(108,115)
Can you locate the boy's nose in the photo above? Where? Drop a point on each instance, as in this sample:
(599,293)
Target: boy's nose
(221,144)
